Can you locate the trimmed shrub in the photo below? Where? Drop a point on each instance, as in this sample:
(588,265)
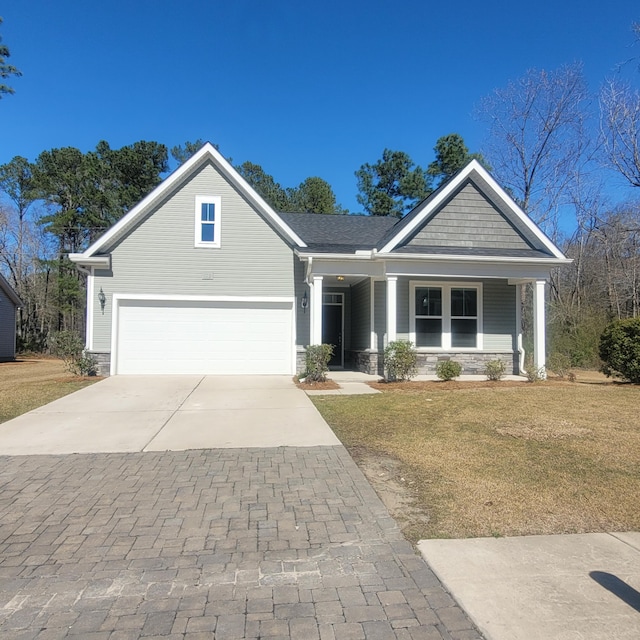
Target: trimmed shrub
(448,369)
(400,361)
(620,349)
(317,362)
(494,370)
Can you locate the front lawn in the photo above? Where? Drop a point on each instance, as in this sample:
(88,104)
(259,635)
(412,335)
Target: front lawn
(554,457)
(29,383)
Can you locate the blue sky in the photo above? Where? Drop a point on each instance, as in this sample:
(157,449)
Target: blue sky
(302,88)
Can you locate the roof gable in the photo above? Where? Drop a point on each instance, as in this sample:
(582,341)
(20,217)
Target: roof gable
(208,153)
(470,212)
(469,219)
(9,292)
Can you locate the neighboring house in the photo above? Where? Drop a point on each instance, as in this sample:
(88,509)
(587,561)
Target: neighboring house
(9,303)
(204,277)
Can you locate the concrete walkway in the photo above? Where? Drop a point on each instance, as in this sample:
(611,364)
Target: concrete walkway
(584,586)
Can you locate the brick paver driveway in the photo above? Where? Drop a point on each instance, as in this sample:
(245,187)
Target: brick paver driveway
(224,543)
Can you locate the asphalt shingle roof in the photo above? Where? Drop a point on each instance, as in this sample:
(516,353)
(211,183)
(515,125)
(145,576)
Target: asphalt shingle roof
(339,233)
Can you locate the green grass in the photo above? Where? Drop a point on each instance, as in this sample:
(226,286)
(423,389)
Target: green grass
(531,459)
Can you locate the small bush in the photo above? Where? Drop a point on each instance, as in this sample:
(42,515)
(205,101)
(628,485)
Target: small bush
(620,349)
(494,370)
(448,369)
(560,364)
(317,362)
(533,373)
(400,361)
(68,346)
(84,365)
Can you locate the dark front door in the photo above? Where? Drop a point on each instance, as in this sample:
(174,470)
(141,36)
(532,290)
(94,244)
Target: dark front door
(332,327)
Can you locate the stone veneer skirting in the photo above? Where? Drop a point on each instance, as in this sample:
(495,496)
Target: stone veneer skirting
(371,361)
(103,359)
(473,363)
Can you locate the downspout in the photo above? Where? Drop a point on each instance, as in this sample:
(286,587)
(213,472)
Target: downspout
(521,355)
(309,269)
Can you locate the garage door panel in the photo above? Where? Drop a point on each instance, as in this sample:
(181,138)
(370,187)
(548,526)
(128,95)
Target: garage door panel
(204,338)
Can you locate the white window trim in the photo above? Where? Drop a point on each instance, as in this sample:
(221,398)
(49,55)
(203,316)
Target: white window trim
(217,202)
(446,314)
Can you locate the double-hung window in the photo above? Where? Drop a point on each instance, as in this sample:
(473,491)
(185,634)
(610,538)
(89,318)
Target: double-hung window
(428,316)
(207,221)
(446,316)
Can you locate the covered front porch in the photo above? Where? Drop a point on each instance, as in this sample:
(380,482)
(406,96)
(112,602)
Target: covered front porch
(470,313)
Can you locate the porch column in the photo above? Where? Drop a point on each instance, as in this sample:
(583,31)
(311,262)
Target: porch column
(316,310)
(539,326)
(392,311)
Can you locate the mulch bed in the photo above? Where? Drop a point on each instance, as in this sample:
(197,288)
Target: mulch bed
(316,386)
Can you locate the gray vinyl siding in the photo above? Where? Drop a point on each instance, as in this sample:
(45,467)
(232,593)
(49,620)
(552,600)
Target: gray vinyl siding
(159,256)
(499,311)
(7,327)
(303,316)
(380,313)
(402,309)
(361,315)
(469,219)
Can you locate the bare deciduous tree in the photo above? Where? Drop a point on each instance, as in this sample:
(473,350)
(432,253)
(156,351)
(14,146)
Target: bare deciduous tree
(537,142)
(620,129)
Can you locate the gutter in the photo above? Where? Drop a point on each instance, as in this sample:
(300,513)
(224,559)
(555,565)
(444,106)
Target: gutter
(433,257)
(89,261)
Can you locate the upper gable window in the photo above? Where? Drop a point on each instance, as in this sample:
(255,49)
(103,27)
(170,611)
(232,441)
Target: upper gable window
(207,221)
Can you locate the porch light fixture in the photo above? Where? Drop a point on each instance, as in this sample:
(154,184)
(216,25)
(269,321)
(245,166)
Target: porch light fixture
(304,303)
(340,278)
(102,299)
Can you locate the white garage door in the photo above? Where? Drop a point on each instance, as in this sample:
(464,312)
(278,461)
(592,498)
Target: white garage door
(204,337)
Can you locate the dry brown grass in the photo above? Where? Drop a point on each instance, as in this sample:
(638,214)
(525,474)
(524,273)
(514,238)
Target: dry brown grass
(31,382)
(501,459)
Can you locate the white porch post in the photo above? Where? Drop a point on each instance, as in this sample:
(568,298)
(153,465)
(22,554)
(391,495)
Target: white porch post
(392,312)
(316,310)
(539,326)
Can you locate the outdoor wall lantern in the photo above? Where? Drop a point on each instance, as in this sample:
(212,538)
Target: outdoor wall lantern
(102,299)
(304,303)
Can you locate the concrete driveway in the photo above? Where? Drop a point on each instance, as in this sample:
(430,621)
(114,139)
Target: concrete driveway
(176,413)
